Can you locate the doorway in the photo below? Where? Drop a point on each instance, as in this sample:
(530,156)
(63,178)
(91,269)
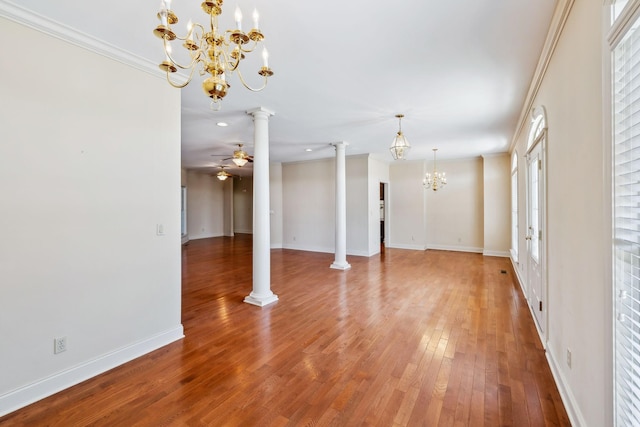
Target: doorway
(535,235)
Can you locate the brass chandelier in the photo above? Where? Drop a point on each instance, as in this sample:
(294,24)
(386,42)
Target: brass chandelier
(436,179)
(214,52)
(400,146)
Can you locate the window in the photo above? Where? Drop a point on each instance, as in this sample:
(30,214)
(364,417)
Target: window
(625,100)
(514,206)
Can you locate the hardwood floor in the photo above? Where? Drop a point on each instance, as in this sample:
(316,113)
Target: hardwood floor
(406,338)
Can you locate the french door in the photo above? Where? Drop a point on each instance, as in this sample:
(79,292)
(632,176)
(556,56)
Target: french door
(536,277)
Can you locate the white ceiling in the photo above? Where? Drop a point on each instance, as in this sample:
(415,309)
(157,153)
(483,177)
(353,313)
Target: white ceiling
(458,70)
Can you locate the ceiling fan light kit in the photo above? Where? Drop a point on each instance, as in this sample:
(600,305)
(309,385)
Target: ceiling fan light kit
(223,174)
(212,51)
(239,157)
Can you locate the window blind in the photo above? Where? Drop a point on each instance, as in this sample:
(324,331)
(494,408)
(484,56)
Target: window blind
(626,227)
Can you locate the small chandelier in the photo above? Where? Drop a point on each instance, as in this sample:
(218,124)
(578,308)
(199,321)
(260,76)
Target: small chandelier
(223,174)
(435,180)
(212,51)
(400,146)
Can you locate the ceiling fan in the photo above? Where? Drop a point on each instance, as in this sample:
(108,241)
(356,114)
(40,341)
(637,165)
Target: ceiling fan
(223,174)
(240,157)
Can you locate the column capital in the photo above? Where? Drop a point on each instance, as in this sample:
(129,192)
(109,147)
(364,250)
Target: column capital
(260,111)
(339,144)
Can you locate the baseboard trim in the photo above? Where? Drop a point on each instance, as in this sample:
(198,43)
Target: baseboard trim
(455,248)
(410,247)
(308,248)
(48,386)
(575,416)
(501,254)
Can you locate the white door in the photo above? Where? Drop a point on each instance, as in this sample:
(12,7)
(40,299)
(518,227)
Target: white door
(535,222)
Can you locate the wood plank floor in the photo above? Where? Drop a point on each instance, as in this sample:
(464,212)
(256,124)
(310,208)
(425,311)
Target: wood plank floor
(405,338)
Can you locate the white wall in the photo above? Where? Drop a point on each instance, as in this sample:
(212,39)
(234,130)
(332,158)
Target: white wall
(357,195)
(497,204)
(227,207)
(309,205)
(242,205)
(455,214)
(406,205)
(89,167)
(378,172)
(275,204)
(205,205)
(579,290)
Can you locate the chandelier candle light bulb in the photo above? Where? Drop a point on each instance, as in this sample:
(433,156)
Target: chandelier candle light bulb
(238,16)
(256,17)
(190,31)
(211,50)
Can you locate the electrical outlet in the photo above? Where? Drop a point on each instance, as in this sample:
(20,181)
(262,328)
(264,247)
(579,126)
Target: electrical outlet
(59,345)
(569,358)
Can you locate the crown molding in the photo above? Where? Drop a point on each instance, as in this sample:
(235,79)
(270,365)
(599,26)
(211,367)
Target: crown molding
(558,21)
(43,24)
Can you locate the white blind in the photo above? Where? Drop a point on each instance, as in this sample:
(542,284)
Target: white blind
(626,223)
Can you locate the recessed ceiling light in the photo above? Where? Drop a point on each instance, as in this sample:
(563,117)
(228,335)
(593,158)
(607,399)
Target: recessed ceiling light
(308,149)
(222,124)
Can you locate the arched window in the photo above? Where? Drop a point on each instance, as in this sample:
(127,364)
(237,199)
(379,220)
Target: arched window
(538,125)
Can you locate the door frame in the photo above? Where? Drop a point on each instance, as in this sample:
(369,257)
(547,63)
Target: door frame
(539,140)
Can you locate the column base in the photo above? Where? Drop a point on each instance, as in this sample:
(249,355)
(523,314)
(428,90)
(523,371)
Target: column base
(340,266)
(261,300)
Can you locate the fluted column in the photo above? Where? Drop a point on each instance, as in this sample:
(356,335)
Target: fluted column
(261,294)
(340,262)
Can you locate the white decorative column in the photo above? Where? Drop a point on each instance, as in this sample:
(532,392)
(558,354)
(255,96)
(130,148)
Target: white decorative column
(340,262)
(261,294)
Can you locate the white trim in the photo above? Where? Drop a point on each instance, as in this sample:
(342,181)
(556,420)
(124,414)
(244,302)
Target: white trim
(297,247)
(623,23)
(21,15)
(516,268)
(48,386)
(243,231)
(575,416)
(607,214)
(455,248)
(553,36)
(502,254)
(410,247)
(568,399)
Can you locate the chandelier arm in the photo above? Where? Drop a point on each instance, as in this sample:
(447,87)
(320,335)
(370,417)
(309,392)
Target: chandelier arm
(180,85)
(194,57)
(255,45)
(231,66)
(249,87)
